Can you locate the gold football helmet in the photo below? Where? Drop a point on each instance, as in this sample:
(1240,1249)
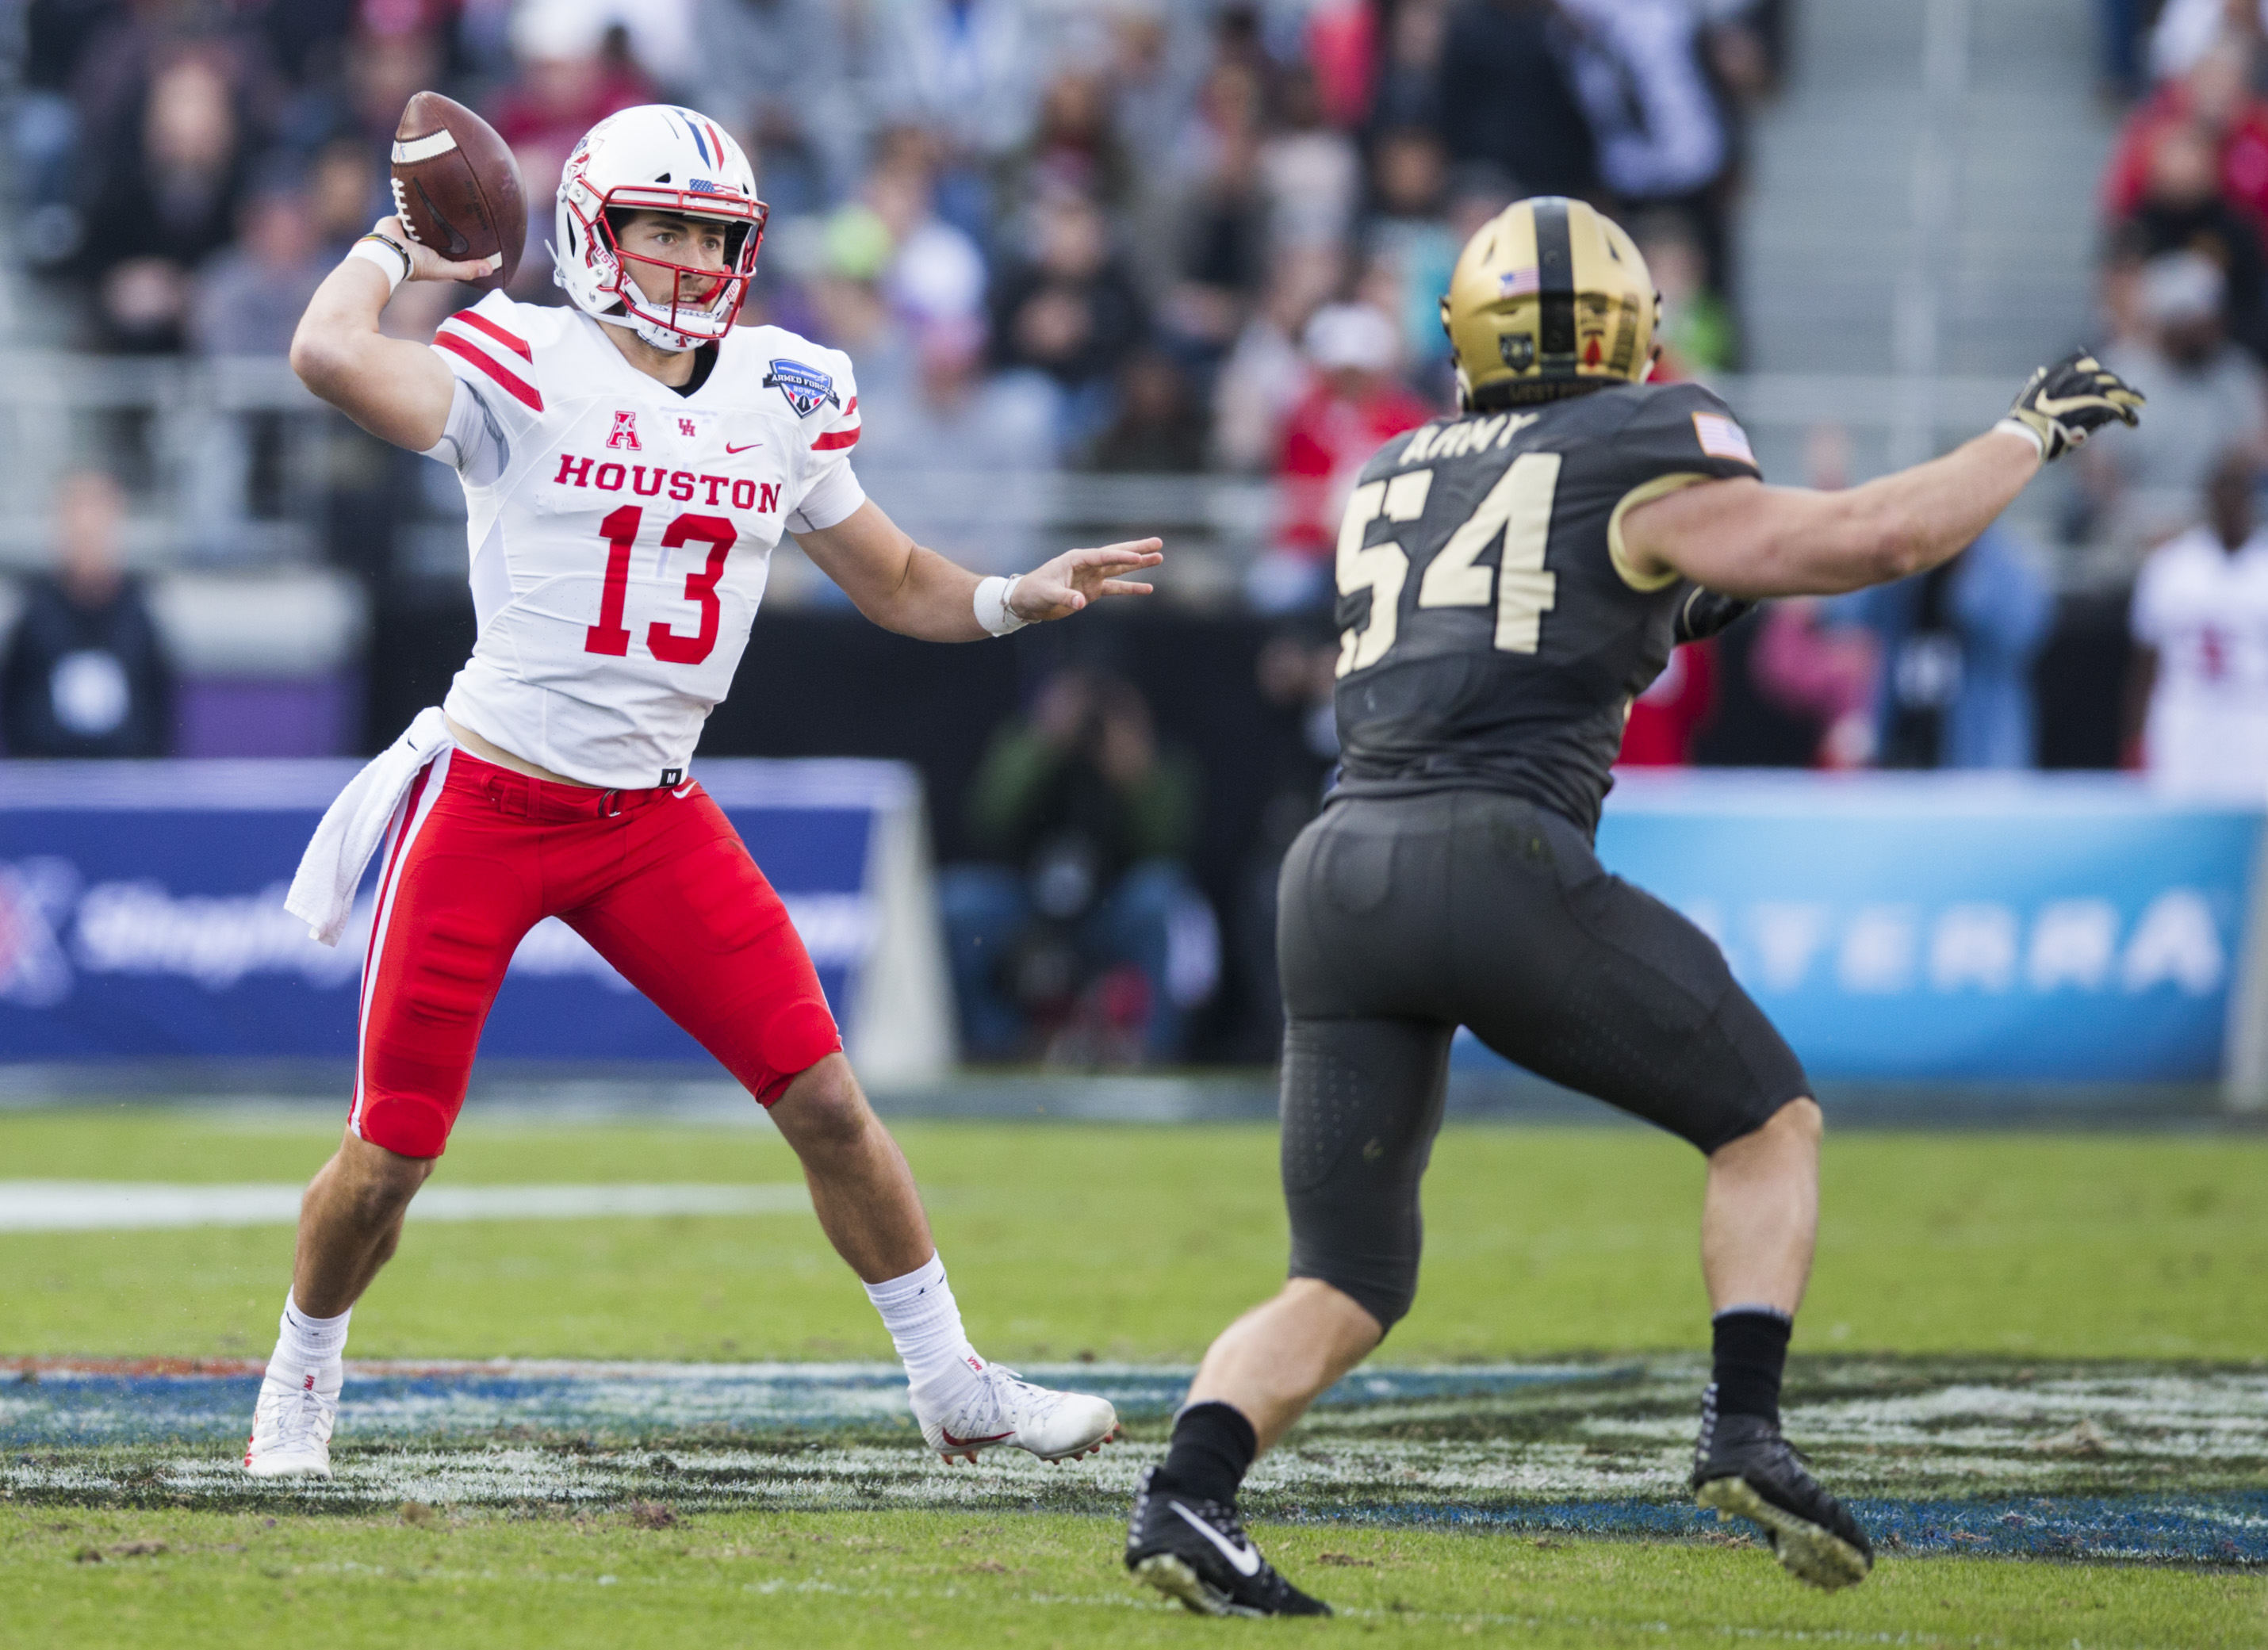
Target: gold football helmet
(1548,299)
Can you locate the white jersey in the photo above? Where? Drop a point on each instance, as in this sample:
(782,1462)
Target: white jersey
(2206,612)
(622,533)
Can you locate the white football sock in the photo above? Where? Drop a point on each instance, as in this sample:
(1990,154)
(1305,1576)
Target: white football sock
(924,1324)
(307,1342)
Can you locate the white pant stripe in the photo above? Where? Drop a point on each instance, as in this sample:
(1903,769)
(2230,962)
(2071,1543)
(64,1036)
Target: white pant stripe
(408,820)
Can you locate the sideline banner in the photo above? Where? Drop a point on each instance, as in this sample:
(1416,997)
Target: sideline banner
(1958,927)
(141,916)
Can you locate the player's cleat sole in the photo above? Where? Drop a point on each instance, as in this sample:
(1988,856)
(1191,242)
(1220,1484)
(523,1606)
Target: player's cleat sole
(956,1451)
(1808,1551)
(1177,1580)
(294,1465)
(1743,1468)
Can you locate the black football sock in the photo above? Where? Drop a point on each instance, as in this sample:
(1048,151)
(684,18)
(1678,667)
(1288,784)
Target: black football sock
(1212,1449)
(1751,1351)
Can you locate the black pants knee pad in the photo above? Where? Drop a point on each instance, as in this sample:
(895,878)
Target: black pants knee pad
(1362,1101)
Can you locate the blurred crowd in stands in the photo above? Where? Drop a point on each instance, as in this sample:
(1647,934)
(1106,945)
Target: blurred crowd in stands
(1125,237)
(1146,236)
(1179,238)
(2184,202)
(2157,527)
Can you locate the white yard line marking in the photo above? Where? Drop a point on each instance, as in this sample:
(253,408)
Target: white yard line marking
(66,1205)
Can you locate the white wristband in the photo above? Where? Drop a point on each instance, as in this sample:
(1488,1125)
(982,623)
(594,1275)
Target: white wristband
(2017,426)
(993,610)
(386,256)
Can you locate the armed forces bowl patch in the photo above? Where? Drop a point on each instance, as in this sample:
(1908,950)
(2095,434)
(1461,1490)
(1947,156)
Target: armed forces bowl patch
(805,388)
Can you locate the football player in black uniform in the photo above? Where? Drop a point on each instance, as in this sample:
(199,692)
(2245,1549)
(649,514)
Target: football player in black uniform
(1509,580)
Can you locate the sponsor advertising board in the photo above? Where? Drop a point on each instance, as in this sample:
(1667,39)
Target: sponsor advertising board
(1989,928)
(141,916)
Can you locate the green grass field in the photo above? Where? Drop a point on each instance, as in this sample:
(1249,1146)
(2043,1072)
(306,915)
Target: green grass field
(1140,1243)
(941,1579)
(2008,1252)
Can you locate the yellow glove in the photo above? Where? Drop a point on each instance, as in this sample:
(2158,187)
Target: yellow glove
(2060,405)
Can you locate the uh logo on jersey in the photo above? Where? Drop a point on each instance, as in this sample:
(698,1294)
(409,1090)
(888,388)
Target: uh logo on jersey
(805,388)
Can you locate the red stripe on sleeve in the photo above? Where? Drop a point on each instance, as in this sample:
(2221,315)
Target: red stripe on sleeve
(517,387)
(479,322)
(836,442)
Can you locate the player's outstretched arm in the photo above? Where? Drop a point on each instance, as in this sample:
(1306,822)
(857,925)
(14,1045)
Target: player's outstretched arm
(1748,539)
(903,586)
(397,390)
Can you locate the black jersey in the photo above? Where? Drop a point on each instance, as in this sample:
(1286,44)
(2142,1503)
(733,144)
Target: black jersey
(1492,637)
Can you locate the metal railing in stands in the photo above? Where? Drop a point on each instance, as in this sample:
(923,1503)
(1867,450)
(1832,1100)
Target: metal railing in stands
(227,459)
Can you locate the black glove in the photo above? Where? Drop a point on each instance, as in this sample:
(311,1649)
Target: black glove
(1704,612)
(2060,405)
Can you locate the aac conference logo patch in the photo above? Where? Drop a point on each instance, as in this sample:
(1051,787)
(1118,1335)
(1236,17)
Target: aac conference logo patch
(805,388)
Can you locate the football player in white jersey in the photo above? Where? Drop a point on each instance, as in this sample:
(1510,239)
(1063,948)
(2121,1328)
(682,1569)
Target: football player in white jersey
(629,464)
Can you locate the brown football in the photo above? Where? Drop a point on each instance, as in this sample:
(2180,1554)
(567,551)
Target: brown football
(456,187)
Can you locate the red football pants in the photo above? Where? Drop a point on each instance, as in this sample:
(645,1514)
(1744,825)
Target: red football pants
(656,881)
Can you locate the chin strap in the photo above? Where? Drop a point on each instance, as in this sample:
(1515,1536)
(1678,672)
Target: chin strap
(632,325)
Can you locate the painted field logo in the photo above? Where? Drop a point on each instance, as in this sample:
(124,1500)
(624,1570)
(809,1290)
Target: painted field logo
(805,388)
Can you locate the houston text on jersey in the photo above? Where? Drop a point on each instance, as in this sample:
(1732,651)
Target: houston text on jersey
(647,482)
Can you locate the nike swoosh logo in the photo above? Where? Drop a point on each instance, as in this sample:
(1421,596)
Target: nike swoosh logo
(1245,1560)
(751,447)
(2056,408)
(964,1443)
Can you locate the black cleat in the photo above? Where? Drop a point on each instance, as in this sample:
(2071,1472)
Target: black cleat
(1742,1466)
(1197,1551)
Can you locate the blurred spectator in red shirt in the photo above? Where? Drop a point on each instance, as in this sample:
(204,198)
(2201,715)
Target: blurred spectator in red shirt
(2217,96)
(1354,405)
(1668,718)
(571,77)
(2181,210)
(1343,48)
(1265,377)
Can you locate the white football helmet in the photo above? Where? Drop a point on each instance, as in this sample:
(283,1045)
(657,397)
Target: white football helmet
(656,157)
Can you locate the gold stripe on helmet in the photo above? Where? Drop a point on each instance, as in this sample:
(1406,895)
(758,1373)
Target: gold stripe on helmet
(1551,298)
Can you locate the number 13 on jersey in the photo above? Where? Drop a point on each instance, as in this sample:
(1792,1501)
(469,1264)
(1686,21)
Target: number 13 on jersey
(1517,509)
(610,637)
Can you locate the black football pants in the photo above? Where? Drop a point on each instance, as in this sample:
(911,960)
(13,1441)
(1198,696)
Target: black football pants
(1402,918)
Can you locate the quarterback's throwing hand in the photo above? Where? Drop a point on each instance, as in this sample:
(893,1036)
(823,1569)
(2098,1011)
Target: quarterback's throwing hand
(1057,589)
(426,264)
(2060,405)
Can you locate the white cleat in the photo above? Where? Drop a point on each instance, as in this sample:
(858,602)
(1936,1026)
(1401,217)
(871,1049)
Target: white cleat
(291,1423)
(1006,1408)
